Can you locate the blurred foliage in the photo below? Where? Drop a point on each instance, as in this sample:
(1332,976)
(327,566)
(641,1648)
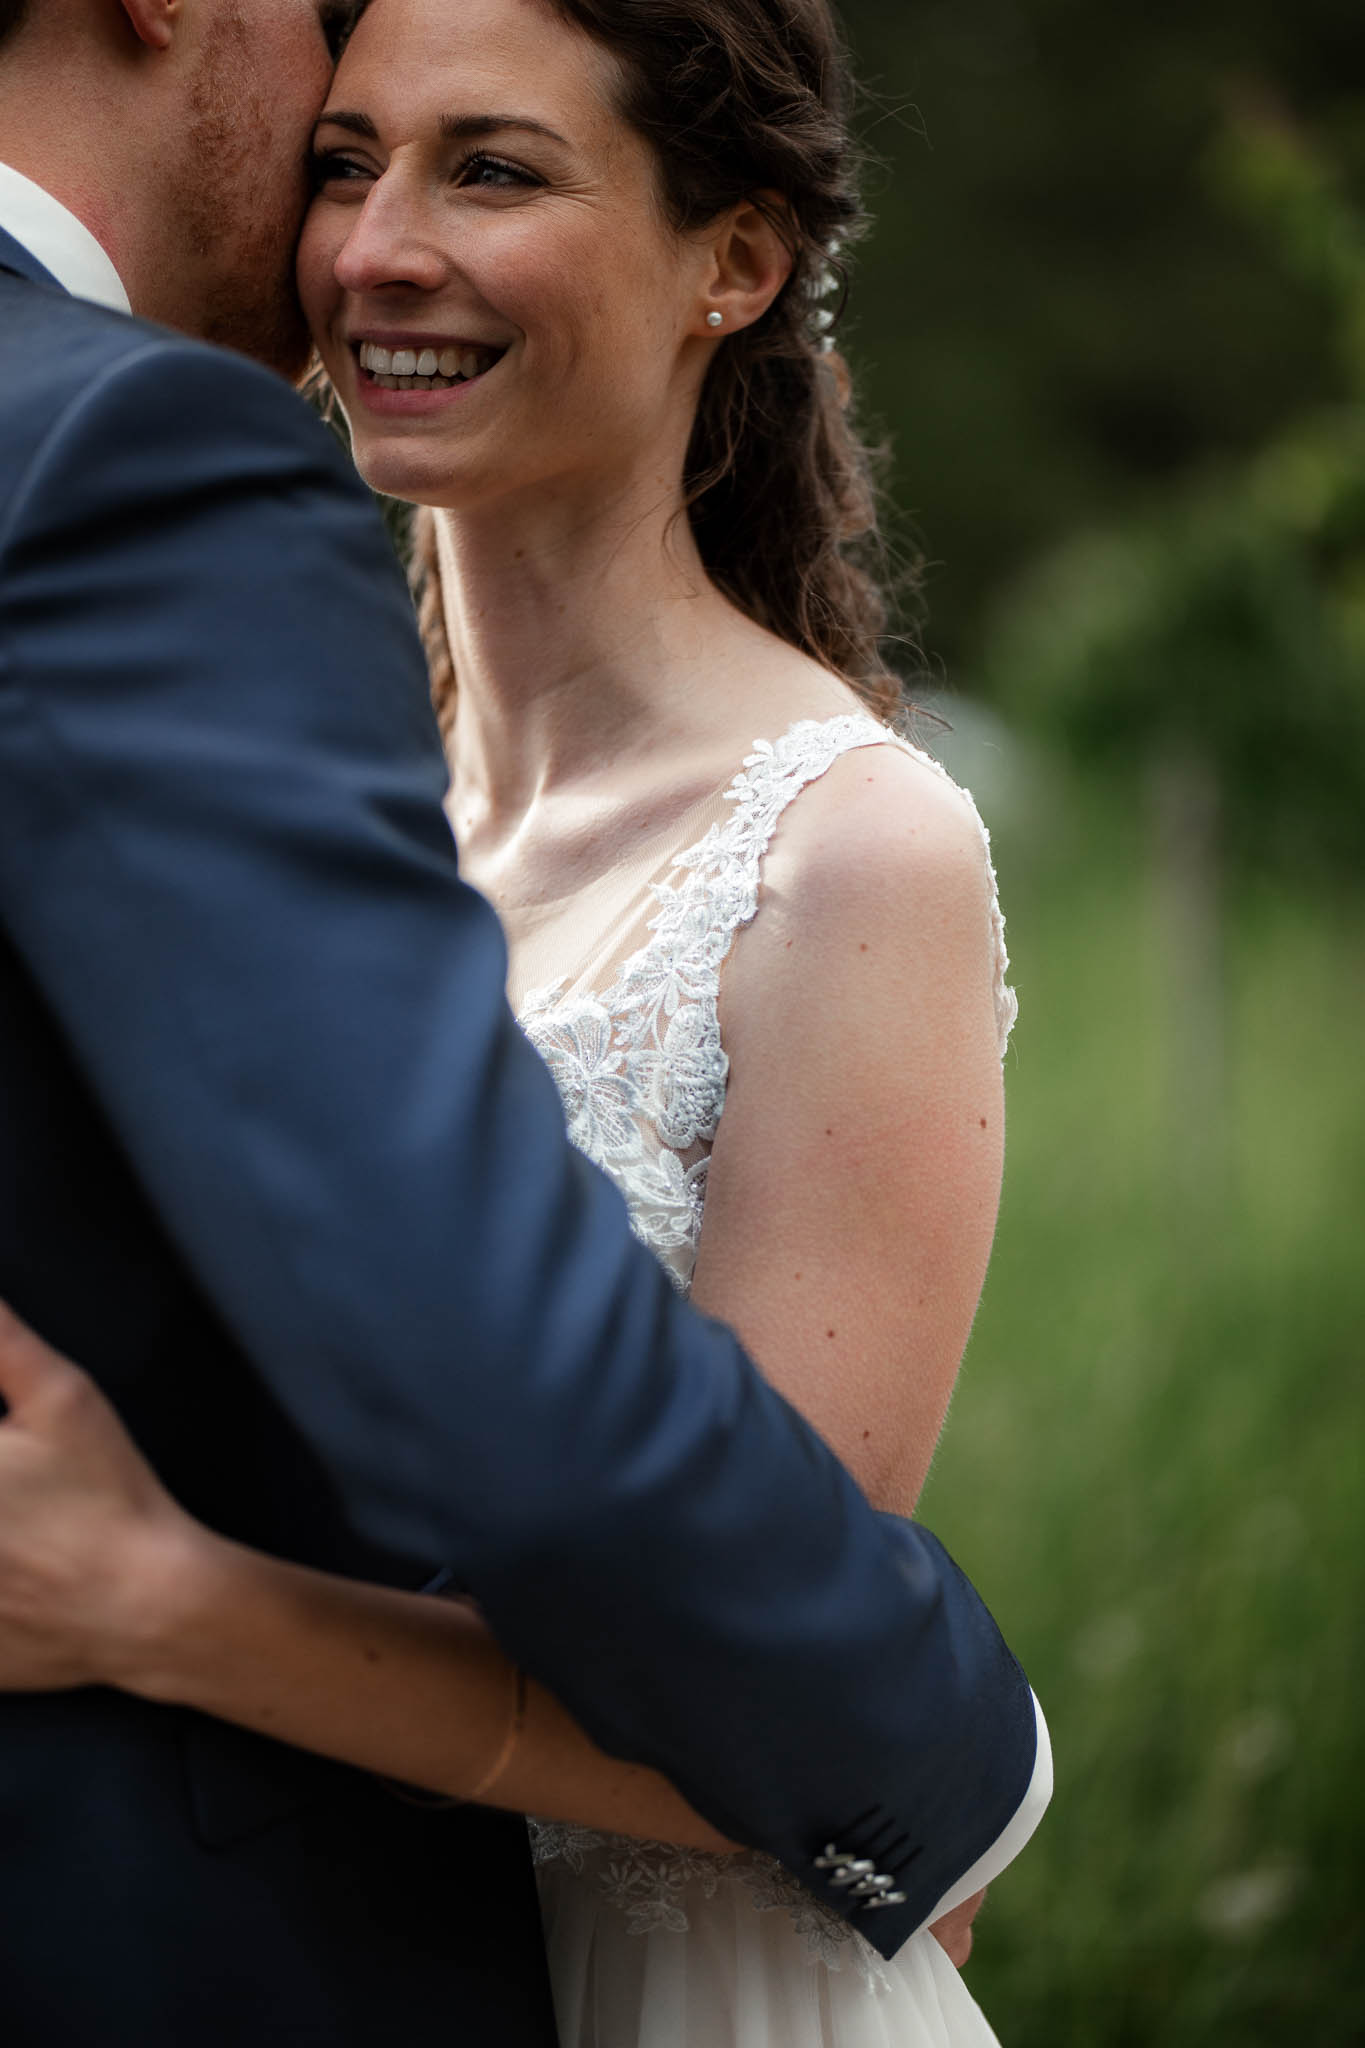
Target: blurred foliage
(1229,621)
(1155,1467)
(1062,311)
(1113,316)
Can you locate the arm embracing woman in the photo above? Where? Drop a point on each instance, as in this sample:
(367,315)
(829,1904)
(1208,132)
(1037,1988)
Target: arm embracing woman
(105,1580)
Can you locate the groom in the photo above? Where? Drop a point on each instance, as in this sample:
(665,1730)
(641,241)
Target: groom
(276,1165)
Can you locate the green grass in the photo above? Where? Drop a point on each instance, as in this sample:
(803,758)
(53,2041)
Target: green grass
(1154,1467)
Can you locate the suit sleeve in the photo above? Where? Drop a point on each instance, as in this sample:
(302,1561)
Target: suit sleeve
(224,857)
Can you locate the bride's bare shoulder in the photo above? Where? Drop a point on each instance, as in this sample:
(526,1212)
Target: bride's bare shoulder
(883,828)
(879,869)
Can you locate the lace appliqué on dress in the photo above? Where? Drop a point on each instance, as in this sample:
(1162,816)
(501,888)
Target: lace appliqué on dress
(652,1883)
(629,1082)
(642,1074)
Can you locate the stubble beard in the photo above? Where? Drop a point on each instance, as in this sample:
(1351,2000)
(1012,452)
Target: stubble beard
(241,194)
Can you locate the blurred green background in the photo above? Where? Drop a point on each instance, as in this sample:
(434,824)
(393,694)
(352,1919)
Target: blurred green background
(1112,318)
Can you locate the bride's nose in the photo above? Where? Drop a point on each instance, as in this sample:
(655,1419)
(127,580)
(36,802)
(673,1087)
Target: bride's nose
(392,243)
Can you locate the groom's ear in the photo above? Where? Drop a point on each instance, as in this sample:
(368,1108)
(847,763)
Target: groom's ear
(153,22)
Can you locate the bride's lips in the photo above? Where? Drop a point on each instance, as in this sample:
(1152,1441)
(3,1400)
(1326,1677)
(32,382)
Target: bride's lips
(401,374)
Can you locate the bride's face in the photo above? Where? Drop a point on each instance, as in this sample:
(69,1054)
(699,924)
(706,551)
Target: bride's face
(487,269)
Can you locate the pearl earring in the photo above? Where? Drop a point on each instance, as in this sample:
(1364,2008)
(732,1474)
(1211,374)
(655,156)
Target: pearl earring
(715,319)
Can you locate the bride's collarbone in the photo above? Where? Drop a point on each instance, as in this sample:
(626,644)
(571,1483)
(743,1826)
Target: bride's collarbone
(578,842)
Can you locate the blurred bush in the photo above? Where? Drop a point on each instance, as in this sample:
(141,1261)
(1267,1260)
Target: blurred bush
(1060,315)
(1225,626)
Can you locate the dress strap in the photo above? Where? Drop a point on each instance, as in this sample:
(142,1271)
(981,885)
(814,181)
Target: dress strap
(723,871)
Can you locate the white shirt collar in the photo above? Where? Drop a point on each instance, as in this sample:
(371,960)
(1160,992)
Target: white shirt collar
(61,243)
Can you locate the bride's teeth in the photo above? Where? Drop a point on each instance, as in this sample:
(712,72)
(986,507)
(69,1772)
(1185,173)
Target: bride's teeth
(414,368)
(426,369)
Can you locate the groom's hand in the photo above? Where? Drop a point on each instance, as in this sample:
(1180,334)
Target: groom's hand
(954,1931)
(83,1523)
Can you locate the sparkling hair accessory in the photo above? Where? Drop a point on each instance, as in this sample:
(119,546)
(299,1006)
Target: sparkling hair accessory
(825,290)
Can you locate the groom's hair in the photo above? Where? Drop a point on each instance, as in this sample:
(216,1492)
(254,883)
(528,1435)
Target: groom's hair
(12,13)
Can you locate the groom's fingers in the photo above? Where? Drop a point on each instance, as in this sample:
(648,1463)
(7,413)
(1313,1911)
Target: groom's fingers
(28,1367)
(954,1932)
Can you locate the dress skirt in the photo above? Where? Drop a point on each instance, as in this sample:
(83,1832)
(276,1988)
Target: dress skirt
(666,1948)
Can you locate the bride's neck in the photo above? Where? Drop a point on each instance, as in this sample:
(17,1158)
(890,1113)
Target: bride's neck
(570,629)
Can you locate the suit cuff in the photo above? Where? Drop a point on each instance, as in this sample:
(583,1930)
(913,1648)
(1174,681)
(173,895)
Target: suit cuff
(1016,1834)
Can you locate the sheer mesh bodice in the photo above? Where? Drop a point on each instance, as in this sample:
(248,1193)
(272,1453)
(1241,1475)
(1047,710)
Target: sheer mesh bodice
(632,1036)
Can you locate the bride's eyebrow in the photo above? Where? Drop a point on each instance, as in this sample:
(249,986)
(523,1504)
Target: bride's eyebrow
(355,124)
(477,127)
(451,127)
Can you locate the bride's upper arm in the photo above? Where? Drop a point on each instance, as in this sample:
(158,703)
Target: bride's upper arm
(854,1183)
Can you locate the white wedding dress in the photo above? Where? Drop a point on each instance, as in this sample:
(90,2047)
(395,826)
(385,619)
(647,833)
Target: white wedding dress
(651,1946)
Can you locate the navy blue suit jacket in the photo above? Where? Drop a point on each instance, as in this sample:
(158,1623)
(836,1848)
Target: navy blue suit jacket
(278,1167)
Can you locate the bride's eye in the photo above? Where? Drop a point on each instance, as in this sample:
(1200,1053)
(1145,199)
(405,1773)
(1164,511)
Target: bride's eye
(494,173)
(332,167)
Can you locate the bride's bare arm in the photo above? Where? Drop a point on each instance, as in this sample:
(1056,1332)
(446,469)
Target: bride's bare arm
(852,1191)
(410,1687)
(104,1580)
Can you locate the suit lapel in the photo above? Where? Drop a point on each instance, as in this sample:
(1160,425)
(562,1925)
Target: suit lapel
(15,257)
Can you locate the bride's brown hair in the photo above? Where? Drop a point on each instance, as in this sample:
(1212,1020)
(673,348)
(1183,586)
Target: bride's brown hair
(738,99)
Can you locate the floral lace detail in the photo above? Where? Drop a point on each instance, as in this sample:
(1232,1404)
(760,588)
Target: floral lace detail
(641,1068)
(644,1880)
(829,1940)
(642,1074)
(609,1092)
(653,1883)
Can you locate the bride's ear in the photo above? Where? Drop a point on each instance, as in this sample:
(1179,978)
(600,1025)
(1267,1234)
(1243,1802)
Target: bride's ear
(751,261)
(153,22)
